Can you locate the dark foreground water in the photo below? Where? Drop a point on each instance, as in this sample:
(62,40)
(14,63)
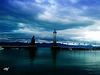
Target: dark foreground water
(46,62)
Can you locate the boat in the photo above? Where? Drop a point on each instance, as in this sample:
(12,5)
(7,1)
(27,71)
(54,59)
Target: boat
(1,48)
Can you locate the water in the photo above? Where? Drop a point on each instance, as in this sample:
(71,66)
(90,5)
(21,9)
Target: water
(47,62)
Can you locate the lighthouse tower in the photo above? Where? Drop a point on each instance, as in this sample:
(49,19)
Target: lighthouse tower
(54,36)
(55,46)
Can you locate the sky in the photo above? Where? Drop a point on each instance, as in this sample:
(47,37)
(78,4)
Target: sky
(75,21)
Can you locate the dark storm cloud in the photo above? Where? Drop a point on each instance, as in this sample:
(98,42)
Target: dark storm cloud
(37,16)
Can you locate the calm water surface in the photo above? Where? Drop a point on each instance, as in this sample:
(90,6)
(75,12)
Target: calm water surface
(49,62)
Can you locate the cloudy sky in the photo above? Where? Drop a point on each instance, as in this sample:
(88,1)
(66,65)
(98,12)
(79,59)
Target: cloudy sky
(74,20)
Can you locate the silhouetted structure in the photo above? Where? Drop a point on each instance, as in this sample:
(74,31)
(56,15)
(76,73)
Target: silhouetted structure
(32,45)
(33,40)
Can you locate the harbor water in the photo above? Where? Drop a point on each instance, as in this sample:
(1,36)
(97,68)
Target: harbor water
(45,61)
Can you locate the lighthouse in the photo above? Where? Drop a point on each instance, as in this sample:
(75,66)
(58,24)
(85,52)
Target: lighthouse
(55,46)
(54,37)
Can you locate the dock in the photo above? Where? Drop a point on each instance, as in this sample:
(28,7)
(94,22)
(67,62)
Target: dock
(32,47)
(20,47)
(74,48)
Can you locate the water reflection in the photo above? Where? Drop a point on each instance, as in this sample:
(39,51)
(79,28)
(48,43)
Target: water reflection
(32,54)
(64,61)
(51,62)
(54,56)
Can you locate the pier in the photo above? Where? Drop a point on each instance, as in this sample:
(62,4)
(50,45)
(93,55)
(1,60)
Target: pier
(77,48)
(74,48)
(20,47)
(54,46)
(31,46)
